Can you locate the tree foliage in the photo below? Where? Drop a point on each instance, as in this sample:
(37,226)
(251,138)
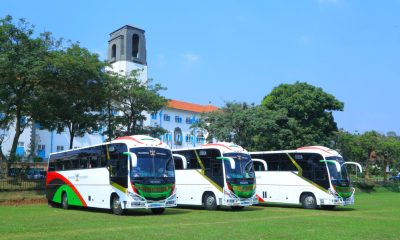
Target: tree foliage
(308,110)
(128,101)
(292,115)
(72,96)
(22,65)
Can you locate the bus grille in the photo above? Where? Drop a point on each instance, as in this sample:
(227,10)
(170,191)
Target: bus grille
(153,189)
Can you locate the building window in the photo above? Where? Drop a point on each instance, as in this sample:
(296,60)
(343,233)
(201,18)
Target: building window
(60,148)
(113,51)
(187,120)
(154,116)
(200,138)
(189,138)
(178,136)
(41,147)
(167,117)
(135,45)
(178,119)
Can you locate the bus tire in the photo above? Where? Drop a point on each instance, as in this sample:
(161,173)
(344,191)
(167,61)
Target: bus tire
(236,208)
(157,210)
(64,201)
(210,201)
(116,205)
(308,201)
(328,207)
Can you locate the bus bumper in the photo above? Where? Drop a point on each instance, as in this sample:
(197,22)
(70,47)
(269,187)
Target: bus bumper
(236,201)
(337,201)
(135,202)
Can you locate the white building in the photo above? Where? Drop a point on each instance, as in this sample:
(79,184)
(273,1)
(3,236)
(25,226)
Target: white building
(126,52)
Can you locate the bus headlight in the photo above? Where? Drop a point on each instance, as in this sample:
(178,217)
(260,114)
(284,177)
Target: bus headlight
(135,197)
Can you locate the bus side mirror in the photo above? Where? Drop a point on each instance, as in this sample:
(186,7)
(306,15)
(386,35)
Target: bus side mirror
(231,161)
(355,163)
(338,168)
(265,165)
(182,159)
(133,158)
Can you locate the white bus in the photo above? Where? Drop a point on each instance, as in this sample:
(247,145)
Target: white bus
(128,173)
(213,175)
(311,176)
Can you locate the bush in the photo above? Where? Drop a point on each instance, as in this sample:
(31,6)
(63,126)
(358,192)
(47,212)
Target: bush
(366,185)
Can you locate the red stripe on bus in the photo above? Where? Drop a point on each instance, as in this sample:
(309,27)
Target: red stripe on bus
(260,198)
(129,138)
(54,175)
(316,148)
(216,144)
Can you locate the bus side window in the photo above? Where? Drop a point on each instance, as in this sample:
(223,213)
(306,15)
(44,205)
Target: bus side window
(52,166)
(103,156)
(216,168)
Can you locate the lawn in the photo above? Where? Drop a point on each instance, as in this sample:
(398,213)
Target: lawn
(374,216)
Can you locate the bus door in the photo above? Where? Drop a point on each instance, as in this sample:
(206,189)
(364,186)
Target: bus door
(118,165)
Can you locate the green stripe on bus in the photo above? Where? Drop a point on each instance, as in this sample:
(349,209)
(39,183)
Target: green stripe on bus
(73,199)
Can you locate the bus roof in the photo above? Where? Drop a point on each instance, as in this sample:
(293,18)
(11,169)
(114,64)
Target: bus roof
(224,147)
(324,151)
(131,141)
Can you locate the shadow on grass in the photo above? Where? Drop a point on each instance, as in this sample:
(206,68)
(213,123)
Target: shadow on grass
(135,212)
(221,208)
(288,206)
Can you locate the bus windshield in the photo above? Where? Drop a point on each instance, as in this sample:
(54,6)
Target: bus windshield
(338,178)
(243,166)
(152,163)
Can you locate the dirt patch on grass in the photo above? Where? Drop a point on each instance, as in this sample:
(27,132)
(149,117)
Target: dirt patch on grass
(18,202)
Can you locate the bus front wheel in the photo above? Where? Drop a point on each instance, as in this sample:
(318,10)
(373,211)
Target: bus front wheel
(64,201)
(308,201)
(157,210)
(116,206)
(210,202)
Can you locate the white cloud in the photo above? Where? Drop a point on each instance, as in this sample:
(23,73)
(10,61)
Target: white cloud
(191,58)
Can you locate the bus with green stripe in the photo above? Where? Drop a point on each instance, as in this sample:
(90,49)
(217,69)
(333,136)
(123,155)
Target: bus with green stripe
(312,176)
(130,172)
(214,175)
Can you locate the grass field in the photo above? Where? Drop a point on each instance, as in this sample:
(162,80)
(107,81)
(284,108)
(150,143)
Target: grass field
(374,216)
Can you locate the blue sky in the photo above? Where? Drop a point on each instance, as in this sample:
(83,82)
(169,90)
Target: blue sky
(217,51)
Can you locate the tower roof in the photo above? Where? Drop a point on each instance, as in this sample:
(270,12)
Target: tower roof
(128,27)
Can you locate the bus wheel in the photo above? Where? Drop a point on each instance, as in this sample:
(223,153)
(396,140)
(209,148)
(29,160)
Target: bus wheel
(210,202)
(64,201)
(157,210)
(328,207)
(116,206)
(308,201)
(237,207)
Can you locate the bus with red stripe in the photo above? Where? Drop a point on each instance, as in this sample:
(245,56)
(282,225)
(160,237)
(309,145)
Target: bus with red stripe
(130,172)
(214,175)
(312,176)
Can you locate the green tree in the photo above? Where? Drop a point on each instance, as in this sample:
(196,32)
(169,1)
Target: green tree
(128,100)
(309,119)
(22,65)
(230,123)
(389,150)
(72,96)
